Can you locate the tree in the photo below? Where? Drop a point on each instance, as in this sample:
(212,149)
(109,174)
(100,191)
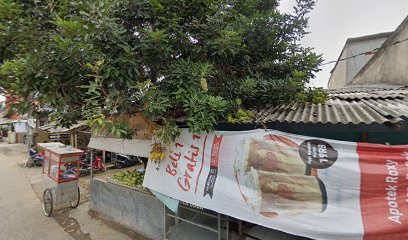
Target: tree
(204,60)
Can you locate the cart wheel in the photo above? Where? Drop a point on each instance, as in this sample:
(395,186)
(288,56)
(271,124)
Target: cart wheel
(47,202)
(75,203)
(119,165)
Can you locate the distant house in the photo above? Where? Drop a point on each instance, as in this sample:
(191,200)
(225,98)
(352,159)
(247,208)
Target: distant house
(368,95)
(373,60)
(76,135)
(13,127)
(390,63)
(344,71)
(2,107)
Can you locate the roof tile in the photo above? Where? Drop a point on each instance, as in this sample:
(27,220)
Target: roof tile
(358,104)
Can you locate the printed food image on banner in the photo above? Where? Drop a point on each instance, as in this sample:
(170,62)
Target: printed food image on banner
(311,187)
(274,180)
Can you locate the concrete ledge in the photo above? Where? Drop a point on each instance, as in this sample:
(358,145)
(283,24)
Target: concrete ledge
(138,211)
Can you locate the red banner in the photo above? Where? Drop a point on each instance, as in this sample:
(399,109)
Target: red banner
(384,183)
(212,175)
(317,188)
(215,151)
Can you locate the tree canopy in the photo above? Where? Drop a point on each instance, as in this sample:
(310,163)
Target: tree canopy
(204,60)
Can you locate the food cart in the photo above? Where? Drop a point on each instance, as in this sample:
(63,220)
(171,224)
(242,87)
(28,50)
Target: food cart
(60,175)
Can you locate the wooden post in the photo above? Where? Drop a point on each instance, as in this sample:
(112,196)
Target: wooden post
(364,136)
(71,140)
(219,225)
(165,223)
(76,140)
(240,235)
(92,156)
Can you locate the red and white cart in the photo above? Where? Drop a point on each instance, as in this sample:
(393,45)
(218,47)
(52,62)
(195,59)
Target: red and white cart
(60,175)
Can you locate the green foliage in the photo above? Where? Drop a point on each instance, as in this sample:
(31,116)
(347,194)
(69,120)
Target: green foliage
(204,111)
(313,95)
(85,59)
(241,116)
(168,131)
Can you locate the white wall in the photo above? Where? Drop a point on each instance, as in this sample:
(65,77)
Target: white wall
(339,73)
(354,65)
(390,66)
(345,71)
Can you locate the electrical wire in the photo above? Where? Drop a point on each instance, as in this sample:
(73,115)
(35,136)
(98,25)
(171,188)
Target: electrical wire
(372,52)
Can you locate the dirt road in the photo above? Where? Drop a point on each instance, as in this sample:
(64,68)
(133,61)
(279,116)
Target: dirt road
(21,208)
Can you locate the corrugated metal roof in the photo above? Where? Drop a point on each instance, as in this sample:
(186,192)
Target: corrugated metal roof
(10,120)
(353,105)
(366,88)
(5,121)
(364,92)
(54,129)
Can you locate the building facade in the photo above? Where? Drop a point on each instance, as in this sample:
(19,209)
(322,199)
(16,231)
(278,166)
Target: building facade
(390,63)
(344,71)
(379,59)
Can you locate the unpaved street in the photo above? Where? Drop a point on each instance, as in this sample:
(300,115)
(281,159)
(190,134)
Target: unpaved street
(21,208)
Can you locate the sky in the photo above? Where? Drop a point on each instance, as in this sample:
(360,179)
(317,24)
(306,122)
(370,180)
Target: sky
(333,21)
